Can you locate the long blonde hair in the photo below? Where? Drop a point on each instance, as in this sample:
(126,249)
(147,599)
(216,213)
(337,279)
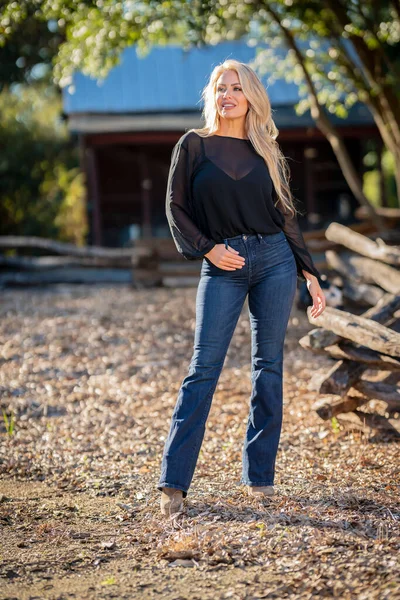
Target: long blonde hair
(260,127)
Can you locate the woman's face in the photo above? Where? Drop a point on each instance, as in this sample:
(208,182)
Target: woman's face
(231,102)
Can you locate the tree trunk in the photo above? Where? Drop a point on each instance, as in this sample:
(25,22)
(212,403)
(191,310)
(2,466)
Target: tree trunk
(384,105)
(326,127)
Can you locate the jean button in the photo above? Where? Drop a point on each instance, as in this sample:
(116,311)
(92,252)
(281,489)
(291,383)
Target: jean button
(245,237)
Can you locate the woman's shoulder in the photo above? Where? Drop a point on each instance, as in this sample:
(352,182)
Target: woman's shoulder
(190,141)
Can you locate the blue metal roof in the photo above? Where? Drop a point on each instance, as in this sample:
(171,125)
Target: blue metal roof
(170,80)
(167,79)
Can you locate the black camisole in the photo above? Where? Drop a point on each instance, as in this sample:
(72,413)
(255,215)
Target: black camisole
(219,187)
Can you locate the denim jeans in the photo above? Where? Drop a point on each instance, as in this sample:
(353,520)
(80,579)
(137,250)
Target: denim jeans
(269,277)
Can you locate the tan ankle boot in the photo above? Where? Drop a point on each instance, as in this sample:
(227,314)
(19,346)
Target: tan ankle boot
(171,501)
(260,490)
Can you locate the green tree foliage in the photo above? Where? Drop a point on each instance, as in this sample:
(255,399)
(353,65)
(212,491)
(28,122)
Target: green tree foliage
(41,190)
(350,46)
(372,178)
(30,50)
(338,52)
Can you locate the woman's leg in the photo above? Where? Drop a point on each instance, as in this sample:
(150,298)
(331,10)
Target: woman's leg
(219,301)
(270,301)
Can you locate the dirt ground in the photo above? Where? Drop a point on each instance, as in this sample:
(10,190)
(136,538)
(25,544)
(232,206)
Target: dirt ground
(91,375)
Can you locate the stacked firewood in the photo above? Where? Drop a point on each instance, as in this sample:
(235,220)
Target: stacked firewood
(366,346)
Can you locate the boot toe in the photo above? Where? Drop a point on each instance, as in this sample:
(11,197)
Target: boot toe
(171,502)
(261,490)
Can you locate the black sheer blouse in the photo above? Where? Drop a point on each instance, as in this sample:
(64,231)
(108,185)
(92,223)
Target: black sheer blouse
(219,187)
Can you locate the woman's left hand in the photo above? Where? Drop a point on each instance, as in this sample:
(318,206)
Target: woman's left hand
(317,295)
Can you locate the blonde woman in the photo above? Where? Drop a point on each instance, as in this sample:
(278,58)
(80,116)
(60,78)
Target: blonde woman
(229,203)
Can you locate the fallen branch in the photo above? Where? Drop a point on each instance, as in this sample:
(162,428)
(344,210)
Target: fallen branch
(348,352)
(330,406)
(378,390)
(39,263)
(363,294)
(361,244)
(13,241)
(365,270)
(365,422)
(358,329)
(381,313)
(341,377)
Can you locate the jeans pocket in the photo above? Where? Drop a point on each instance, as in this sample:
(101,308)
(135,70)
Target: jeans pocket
(273,239)
(208,268)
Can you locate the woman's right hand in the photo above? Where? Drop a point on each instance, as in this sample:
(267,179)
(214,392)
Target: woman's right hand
(228,259)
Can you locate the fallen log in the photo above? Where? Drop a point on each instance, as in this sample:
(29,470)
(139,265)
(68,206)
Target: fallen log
(341,377)
(359,330)
(362,294)
(361,244)
(345,372)
(384,211)
(330,406)
(67,275)
(366,422)
(391,236)
(365,270)
(14,241)
(40,263)
(381,313)
(347,351)
(384,309)
(379,390)
(360,342)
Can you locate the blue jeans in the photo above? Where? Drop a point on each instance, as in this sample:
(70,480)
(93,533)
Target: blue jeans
(269,277)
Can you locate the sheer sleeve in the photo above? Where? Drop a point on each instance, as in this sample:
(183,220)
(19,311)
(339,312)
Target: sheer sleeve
(296,241)
(188,238)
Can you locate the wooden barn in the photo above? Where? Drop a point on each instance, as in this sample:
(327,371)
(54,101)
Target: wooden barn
(128,124)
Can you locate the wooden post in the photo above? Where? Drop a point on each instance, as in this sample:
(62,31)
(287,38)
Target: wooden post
(94,196)
(146,185)
(310,199)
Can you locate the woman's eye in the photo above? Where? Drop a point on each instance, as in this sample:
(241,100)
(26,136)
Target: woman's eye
(235,88)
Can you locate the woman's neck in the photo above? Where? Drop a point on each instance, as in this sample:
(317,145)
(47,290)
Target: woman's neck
(231,130)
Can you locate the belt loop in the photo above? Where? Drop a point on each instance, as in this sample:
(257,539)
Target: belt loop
(259,237)
(226,243)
